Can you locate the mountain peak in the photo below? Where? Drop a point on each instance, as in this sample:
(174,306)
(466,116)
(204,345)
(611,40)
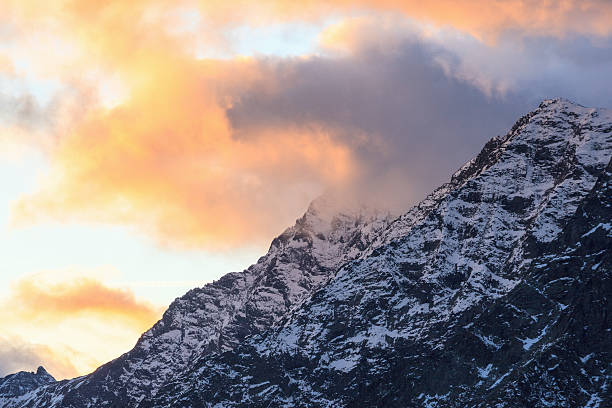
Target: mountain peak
(464,300)
(18,384)
(558,101)
(41,371)
(328,213)
(454,303)
(564,105)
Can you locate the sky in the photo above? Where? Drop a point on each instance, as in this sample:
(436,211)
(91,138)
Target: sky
(150,146)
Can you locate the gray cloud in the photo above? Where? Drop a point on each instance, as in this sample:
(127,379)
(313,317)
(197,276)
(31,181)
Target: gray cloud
(18,355)
(422,124)
(577,68)
(420,103)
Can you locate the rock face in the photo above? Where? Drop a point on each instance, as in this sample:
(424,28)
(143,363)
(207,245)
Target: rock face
(493,291)
(217,317)
(16,385)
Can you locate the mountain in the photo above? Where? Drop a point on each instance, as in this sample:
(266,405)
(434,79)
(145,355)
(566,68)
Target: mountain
(217,317)
(15,385)
(493,291)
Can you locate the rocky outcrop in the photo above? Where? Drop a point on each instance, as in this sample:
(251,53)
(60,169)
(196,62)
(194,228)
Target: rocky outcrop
(14,386)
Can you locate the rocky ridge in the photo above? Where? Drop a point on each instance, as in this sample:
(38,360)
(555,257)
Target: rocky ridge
(15,385)
(220,315)
(489,290)
(494,288)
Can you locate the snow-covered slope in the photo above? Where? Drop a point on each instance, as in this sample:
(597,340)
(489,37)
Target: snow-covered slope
(14,386)
(464,301)
(222,314)
(494,288)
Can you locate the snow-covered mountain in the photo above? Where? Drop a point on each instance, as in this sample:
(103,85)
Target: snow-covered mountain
(493,291)
(217,317)
(15,385)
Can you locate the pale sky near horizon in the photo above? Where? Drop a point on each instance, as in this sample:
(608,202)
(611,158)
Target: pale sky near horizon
(152,146)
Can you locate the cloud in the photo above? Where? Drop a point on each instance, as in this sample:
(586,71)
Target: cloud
(486,18)
(141,23)
(18,355)
(427,100)
(163,159)
(81,322)
(576,66)
(204,153)
(44,302)
(408,123)
(481,18)
(166,161)
(139,130)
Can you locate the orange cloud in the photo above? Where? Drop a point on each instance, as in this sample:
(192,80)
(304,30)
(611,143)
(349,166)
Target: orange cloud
(6,66)
(81,322)
(482,18)
(145,139)
(121,26)
(19,355)
(488,18)
(167,162)
(54,302)
(163,157)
